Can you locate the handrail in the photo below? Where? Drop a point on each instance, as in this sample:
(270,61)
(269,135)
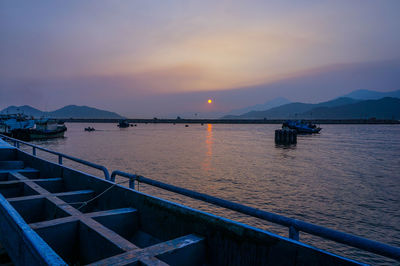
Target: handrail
(294,225)
(60,155)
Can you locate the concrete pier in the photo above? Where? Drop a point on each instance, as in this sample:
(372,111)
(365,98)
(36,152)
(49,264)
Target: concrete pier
(51,214)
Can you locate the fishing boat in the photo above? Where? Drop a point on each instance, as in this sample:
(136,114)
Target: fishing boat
(44,129)
(301,127)
(12,122)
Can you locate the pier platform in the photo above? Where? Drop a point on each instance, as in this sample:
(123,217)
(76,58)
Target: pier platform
(51,214)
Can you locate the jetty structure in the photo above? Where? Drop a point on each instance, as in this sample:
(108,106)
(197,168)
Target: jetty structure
(51,214)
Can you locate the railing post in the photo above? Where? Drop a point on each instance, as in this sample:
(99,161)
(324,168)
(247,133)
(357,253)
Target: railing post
(107,174)
(293,233)
(132,182)
(34,151)
(60,159)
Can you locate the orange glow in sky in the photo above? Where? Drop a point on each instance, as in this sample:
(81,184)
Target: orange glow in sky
(209,101)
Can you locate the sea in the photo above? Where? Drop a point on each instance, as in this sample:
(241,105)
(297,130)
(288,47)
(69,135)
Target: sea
(346,178)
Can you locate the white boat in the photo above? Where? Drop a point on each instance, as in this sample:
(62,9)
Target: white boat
(44,129)
(11,122)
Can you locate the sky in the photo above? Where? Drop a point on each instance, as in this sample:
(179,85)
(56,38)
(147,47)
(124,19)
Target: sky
(147,58)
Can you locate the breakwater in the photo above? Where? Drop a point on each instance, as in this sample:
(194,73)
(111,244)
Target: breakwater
(232,121)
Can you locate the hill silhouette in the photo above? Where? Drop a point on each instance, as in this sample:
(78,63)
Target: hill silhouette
(341,108)
(69,111)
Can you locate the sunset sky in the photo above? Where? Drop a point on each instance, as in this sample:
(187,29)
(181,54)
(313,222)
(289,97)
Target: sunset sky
(146,58)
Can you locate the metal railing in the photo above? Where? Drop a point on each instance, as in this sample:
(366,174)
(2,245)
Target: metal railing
(295,226)
(60,155)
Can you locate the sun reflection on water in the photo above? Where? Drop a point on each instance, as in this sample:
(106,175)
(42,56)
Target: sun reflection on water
(209,143)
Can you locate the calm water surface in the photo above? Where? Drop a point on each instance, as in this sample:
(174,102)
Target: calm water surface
(346,178)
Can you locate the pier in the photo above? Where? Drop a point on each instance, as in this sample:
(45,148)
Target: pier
(51,214)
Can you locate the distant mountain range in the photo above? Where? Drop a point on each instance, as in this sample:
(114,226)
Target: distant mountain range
(340,108)
(371,95)
(261,107)
(335,109)
(355,105)
(293,109)
(70,111)
(384,108)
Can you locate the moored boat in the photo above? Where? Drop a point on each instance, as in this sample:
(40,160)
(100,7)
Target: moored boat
(12,122)
(44,129)
(301,126)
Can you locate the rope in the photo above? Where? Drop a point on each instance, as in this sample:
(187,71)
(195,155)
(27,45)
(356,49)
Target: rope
(84,203)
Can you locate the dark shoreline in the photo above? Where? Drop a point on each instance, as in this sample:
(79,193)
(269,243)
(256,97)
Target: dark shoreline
(234,121)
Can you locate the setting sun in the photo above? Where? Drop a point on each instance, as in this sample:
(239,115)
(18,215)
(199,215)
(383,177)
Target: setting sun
(209,101)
